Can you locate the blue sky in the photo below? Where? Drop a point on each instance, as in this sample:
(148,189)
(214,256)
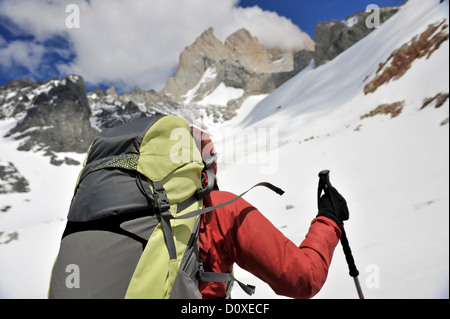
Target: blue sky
(306,14)
(138,42)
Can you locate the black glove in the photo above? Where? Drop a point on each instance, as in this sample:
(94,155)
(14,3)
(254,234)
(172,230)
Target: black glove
(333,206)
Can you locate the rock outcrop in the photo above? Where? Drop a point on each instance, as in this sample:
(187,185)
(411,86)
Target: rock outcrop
(334,37)
(11,181)
(238,61)
(421,46)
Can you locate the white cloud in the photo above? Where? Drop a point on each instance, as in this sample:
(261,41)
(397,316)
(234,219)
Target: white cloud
(22,53)
(139,41)
(271,29)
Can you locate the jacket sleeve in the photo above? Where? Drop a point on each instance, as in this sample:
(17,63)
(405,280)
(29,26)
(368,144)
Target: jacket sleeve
(256,245)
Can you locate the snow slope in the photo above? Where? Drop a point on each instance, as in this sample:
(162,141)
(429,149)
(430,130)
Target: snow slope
(35,219)
(392,171)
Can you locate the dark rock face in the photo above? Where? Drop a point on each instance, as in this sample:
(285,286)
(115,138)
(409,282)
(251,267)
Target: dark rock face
(334,37)
(57,120)
(11,181)
(302,59)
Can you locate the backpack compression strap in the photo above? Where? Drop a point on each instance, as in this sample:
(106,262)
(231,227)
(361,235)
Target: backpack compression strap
(194,213)
(225,277)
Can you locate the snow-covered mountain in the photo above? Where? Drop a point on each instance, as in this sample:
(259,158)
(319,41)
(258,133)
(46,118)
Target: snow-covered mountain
(213,78)
(376,116)
(211,82)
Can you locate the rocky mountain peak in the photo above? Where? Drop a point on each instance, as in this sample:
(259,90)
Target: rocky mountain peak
(245,48)
(194,61)
(235,69)
(240,52)
(112,91)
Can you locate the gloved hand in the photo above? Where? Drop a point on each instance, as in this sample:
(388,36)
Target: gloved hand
(333,206)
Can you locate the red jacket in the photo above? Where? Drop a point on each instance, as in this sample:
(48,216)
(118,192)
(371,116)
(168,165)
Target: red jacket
(239,233)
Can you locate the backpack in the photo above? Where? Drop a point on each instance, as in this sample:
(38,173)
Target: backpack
(133,223)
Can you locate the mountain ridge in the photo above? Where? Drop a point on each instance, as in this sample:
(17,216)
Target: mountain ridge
(58,115)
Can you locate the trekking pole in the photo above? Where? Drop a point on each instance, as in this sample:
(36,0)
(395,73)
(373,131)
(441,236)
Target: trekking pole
(324,184)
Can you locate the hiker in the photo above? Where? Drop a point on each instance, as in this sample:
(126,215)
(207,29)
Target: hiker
(147,220)
(239,233)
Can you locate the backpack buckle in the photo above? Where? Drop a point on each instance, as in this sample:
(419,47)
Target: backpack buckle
(161,199)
